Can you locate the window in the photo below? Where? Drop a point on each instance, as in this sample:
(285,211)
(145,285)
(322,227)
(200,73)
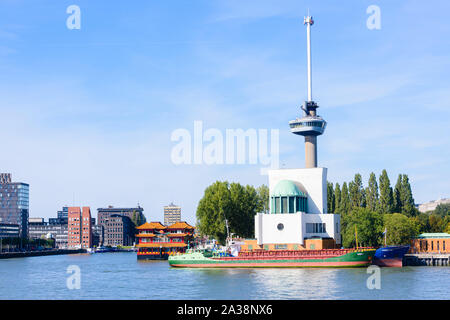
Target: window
(284,205)
(315,228)
(291,204)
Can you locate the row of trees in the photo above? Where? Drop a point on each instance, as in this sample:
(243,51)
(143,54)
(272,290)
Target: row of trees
(378,208)
(233,202)
(377,196)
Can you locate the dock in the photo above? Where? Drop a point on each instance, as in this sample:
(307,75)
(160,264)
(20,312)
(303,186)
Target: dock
(8,255)
(426,259)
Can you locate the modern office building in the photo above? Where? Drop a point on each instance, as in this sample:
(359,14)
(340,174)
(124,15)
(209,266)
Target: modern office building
(14,203)
(61,216)
(79,227)
(172,214)
(9,230)
(299,217)
(118,230)
(39,229)
(104,213)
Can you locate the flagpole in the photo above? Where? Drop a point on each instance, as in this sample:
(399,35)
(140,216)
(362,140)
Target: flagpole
(356,236)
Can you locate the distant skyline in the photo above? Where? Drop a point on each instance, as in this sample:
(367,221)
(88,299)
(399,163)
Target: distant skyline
(90,112)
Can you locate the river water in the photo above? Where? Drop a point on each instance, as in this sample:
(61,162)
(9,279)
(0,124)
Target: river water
(121,276)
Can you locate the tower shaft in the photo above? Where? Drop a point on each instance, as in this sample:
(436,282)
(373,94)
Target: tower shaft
(310,151)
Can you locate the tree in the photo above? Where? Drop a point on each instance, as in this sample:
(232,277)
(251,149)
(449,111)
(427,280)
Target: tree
(357,197)
(337,197)
(233,202)
(263,194)
(344,206)
(330,198)
(213,209)
(386,202)
(400,229)
(397,195)
(406,198)
(372,193)
(422,222)
(368,224)
(442,209)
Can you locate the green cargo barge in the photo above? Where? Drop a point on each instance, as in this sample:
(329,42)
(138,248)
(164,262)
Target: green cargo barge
(327,258)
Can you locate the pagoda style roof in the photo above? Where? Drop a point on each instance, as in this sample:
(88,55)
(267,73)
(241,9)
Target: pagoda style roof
(176,234)
(181,225)
(146,235)
(151,225)
(162,245)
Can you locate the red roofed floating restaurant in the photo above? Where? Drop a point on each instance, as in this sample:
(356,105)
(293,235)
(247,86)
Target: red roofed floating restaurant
(158,242)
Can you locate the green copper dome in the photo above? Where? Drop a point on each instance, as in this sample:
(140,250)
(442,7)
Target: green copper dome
(286,188)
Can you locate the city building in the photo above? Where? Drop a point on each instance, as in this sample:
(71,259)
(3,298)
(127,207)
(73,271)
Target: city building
(431,243)
(14,203)
(118,230)
(104,213)
(158,242)
(39,229)
(298,217)
(9,230)
(61,216)
(79,227)
(172,214)
(431,205)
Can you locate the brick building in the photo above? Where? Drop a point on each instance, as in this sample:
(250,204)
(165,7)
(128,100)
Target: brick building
(79,227)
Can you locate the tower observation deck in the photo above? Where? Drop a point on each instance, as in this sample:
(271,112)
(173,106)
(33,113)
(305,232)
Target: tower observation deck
(310,125)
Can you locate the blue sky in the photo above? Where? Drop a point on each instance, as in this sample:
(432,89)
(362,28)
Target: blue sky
(86,115)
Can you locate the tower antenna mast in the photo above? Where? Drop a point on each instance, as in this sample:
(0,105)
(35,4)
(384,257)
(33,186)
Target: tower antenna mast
(311,124)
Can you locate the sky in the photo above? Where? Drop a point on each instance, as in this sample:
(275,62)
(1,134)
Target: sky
(87,115)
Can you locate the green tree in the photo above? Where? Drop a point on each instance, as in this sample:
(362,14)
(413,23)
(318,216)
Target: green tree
(344,206)
(397,199)
(406,198)
(442,209)
(400,229)
(356,190)
(369,226)
(372,193)
(233,202)
(337,197)
(422,222)
(330,198)
(263,194)
(386,203)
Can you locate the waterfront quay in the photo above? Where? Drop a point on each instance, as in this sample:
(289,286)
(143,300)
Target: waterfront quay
(426,259)
(52,252)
